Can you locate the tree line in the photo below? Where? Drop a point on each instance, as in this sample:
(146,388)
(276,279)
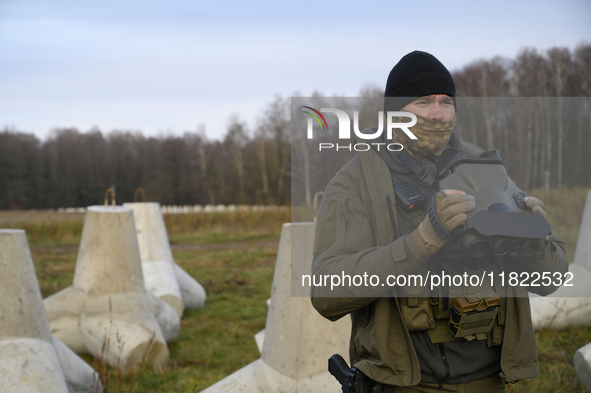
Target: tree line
(73,169)
(541,128)
(535,109)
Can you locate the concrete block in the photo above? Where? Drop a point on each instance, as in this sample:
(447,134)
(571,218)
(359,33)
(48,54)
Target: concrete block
(583,366)
(107,311)
(155,254)
(583,250)
(162,276)
(560,312)
(194,294)
(31,359)
(569,306)
(80,377)
(122,330)
(298,341)
(259,338)
(29,365)
(167,318)
(64,310)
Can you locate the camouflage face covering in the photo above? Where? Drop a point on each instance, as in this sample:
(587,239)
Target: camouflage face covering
(432,136)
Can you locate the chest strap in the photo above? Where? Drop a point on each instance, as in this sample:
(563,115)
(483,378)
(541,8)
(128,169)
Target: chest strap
(425,176)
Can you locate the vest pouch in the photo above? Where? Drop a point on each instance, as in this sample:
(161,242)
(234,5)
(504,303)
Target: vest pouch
(445,296)
(476,302)
(498,328)
(474,324)
(443,301)
(473,316)
(417,313)
(415,307)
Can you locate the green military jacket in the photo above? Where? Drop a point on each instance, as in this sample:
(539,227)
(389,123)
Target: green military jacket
(354,236)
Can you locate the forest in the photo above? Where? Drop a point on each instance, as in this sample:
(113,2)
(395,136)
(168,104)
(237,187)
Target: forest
(535,109)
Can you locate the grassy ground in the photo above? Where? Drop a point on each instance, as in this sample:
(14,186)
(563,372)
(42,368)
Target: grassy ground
(556,350)
(565,209)
(233,256)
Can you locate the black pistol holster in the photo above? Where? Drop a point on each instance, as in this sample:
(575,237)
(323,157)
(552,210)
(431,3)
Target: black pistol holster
(353,380)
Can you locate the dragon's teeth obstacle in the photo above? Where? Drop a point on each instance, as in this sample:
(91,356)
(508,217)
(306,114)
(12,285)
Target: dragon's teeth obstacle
(298,341)
(569,306)
(31,359)
(107,311)
(162,276)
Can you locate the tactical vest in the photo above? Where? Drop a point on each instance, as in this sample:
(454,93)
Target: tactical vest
(479,311)
(460,309)
(456,312)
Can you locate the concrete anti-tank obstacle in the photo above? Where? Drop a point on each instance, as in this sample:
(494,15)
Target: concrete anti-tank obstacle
(298,341)
(569,306)
(193,293)
(107,311)
(259,338)
(162,276)
(155,254)
(31,359)
(583,366)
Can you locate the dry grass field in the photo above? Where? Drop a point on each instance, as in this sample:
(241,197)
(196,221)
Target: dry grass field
(233,256)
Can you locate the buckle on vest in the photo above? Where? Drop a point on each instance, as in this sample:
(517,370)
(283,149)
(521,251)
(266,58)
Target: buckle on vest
(428,179)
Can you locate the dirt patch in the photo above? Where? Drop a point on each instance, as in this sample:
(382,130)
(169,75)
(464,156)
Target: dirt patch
(8,217)
(222,246)
(55,249)
(174,247)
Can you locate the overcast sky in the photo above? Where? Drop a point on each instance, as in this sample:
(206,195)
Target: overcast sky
(166,66)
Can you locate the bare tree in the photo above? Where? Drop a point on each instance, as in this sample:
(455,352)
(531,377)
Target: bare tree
(276,123)
(560,64)
(235,140)
(201,150)
(261,142)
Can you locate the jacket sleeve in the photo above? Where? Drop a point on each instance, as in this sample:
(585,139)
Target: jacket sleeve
(349,270)
(552,260)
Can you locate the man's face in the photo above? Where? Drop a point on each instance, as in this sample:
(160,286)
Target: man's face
(434,107)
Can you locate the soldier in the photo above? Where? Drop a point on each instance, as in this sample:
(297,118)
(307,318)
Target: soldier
(400,339)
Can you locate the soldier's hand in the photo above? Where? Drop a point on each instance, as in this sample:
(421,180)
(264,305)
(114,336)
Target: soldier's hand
(451,207)
(536,205)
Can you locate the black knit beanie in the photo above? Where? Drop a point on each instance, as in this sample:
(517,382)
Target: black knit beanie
(416,75)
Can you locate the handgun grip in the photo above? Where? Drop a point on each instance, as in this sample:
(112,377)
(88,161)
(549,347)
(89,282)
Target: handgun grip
(339,368)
